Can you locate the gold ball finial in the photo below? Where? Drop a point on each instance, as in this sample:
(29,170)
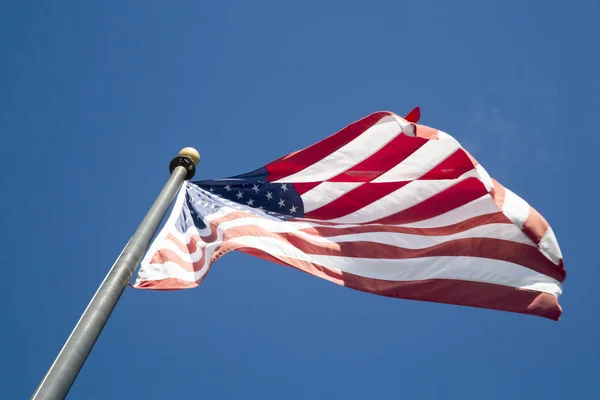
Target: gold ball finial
(191,153)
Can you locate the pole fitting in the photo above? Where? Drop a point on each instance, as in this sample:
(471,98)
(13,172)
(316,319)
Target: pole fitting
(187,158)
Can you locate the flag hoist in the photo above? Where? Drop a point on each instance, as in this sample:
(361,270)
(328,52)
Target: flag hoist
(62,373)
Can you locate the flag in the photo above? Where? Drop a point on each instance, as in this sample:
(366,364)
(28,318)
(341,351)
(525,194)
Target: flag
(385,206)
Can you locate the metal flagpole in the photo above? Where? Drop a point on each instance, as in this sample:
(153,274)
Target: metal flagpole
(62,373)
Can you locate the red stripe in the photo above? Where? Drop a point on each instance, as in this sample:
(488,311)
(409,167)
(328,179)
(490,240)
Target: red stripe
(535,226)
(163,256)
(337,230)
(354,200)
(392,154)
(414,115)
(303,187)
(446,291)
(427,132)
(498,193)
(215,223)
(451,168)
(168,284)
(296,162)
(455,196)
(198,242)
(496,249)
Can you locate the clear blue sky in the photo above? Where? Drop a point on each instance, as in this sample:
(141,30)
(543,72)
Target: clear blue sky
(97,97)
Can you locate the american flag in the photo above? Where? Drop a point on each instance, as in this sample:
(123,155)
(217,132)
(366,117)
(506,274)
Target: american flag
(385,206)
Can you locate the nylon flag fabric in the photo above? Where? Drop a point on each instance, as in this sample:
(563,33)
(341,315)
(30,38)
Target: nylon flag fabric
(385,206)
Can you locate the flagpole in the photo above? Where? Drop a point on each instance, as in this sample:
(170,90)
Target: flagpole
(62,373)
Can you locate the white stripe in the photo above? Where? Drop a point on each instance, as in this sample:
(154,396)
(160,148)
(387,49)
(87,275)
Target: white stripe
(482,206)
(193,230)
(366,144)
(420,162)
(158,272)
(515,208)
(401,199)
(461,268)
(485,177)
(445,136)
(506,232)
(158,242)
(273,225)
(549,246)
(146,267)
(405,126)
(325,193)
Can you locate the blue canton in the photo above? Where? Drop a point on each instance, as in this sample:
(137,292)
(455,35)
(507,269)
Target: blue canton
(249,192)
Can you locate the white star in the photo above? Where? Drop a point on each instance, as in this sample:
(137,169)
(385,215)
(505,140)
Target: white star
(250,202)
(284,187)
(261,208)
(281,203)
(255,188)
(269,195)
(228,188)
(239,194)
(293,209)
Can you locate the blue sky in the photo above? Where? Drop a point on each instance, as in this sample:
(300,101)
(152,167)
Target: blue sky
(97,97)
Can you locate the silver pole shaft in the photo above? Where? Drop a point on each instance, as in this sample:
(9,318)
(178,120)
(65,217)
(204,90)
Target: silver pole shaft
(62,373)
